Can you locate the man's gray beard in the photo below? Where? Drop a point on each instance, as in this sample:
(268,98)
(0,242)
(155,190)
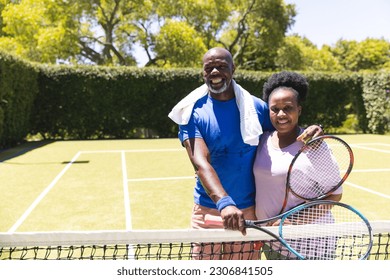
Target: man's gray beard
(218,91)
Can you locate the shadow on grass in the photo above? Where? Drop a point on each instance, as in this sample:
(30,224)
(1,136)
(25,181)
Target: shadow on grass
(22,149)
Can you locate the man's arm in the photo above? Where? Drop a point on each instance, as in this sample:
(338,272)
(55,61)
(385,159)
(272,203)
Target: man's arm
(199,156)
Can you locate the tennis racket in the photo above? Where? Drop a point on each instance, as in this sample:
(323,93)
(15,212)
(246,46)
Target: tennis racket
(319,168)
(318,230)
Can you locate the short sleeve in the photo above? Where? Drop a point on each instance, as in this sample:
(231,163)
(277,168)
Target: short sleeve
(189,130)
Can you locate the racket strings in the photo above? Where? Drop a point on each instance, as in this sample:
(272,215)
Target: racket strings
(327,233)
(320,168)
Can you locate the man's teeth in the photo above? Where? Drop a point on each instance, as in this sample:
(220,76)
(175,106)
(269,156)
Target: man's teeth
(216,81)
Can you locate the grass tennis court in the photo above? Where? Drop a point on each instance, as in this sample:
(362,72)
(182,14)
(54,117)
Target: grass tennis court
(140,184)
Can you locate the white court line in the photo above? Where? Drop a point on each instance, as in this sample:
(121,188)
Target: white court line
(371,170)
(126,193)
(129,224)
(126,180)
(161,179)
(367,190)
(370,149)
(42,195)
(133,151)
(58,177)
(372,144)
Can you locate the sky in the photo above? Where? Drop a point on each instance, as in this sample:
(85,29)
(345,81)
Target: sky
(327,21)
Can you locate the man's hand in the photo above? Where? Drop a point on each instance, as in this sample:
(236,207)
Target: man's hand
(233,219)
(310,132)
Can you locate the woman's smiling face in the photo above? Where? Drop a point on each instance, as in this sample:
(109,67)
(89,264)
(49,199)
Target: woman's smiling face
(284,109)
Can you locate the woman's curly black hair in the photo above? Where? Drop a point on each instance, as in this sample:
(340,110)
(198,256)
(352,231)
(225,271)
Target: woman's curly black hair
(286,79)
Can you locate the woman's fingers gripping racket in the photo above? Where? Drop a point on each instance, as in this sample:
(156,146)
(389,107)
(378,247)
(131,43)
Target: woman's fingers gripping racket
(311,132)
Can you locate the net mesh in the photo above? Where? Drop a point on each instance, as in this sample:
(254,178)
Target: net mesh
(159,245)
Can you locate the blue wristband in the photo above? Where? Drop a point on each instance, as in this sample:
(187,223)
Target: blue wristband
(224,202)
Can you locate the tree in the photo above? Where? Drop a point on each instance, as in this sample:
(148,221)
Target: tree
(252,30)
(174,33)
(256,31)
(38,30)
(104,32)
(370,54)
(179,45)
(99,32)
(118,22)
(300,54)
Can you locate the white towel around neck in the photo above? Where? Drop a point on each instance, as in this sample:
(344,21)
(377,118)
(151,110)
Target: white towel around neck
(249,122)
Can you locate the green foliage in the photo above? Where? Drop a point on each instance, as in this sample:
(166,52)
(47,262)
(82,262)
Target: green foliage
(40,31)
(207,17)
(84,31)
(329,97)
(105,32)
(370,54)
(102,102)
(376,96)
(91,102)
(18,89)
(182,40)
(175,33)
(299,54)
(255,31)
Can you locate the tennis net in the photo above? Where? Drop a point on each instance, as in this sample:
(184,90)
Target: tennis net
(158,244)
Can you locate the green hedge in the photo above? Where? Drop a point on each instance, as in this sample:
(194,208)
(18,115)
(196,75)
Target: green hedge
(376,96)
(101,102)
(90,102)
(18,90)
(331,98)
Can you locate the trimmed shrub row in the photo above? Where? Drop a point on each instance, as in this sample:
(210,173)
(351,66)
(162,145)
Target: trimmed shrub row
(90,102)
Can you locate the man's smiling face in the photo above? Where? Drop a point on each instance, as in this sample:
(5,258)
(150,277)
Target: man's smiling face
(218,70)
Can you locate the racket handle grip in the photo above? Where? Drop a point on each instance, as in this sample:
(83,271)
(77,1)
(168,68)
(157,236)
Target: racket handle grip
(212,220)
(249,223)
